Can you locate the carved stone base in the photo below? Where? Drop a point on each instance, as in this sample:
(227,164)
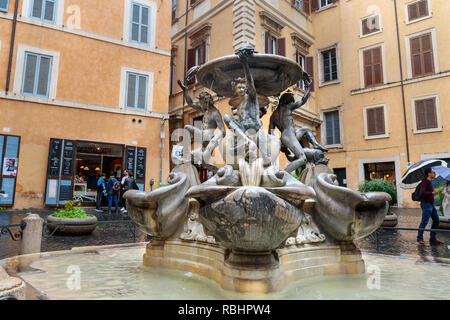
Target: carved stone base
(10,286)
(262,272)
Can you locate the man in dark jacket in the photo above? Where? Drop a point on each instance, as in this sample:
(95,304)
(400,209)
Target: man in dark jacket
(427,194)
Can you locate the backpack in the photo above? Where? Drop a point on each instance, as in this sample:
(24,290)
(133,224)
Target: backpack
(116,186)
(135,186)
(416,194)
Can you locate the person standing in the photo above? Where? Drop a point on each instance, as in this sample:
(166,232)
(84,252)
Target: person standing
(427,194)
(446,201)
(101,191)
(124,178)
(112,189)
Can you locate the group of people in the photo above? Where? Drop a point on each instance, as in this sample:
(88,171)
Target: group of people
(111,188)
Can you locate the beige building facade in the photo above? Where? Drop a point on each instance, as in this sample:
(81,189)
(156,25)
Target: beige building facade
(380,97)
(83,90)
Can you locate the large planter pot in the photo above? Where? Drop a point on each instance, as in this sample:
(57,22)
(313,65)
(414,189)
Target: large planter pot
(444,223)
(76,227)
(390,221)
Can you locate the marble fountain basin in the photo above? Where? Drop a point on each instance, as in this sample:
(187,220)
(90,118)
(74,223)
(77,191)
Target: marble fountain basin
(250,218)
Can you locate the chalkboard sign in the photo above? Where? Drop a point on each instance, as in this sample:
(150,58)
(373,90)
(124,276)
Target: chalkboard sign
(65,191)
(68,155)
(131,159)
(54,157)
(140,164)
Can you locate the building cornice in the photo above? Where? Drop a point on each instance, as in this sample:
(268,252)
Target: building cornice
(86,34)
(81,105)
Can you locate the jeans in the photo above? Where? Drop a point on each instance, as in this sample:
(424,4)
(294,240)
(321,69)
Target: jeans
(112,197)
(99,199)
(428,210)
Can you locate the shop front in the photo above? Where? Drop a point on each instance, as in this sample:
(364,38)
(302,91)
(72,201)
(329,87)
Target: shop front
(75,166)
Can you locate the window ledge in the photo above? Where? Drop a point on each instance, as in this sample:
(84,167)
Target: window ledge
(303,13)
(381,136)
(326,7)
(329,83)
(419,19)
(415,131)
(361,36)
(334,148)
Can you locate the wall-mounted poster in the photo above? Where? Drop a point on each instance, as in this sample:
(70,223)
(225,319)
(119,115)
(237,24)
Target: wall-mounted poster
(10,167)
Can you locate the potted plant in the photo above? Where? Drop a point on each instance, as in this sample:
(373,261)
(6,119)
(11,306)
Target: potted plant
(71,220)
(391,219)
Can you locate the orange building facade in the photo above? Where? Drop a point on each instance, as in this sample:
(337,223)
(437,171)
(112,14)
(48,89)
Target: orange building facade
(83,90)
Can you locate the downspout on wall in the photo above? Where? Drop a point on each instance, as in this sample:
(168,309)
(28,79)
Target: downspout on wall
(11,47)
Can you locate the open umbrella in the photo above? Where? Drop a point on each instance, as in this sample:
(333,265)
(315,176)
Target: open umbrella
(444,172)
(416,173)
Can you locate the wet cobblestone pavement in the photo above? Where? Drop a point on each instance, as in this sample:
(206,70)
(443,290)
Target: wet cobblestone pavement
(391,242)
(119,231)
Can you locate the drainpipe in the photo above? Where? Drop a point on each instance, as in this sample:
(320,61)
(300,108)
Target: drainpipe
(402,83)
(163,135)
(185,53)
(11,46)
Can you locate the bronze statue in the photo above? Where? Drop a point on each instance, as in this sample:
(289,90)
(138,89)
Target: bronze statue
(212,119)
(282,119)
(248,126)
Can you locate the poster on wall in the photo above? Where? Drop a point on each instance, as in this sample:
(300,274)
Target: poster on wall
(140,164)
(10,167)
(130,159)
(54,158)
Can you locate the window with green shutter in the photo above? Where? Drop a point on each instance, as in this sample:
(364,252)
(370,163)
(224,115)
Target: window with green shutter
(44,10)
(140,23)
(4,5)
(136,92)
(36,75)
(332,127)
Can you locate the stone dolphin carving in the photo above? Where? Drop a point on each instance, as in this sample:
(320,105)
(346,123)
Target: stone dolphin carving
(162,212)
(347,215)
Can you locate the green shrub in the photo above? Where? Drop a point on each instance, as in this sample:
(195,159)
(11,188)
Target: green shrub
(1,209)
(72,210)
(380,186)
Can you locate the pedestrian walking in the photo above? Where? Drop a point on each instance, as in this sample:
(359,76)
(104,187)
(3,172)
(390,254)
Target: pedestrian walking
(101,191)
(446,201)
(124,178)
(112,189)
(427,193)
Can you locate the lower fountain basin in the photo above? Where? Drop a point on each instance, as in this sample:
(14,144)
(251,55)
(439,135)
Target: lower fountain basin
(248,218)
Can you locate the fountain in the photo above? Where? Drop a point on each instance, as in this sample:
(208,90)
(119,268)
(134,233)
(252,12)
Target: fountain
(253,227)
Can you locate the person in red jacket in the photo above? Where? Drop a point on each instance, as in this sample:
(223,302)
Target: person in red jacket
(427,194)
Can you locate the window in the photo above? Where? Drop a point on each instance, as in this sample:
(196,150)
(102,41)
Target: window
(140,23)
(329,63)
(174,9)
(370,25)
(375,122)
(275,45)
(44,10)
(417,10)
(136,97)
(303,5)
(426,117)
(324,3)
(36,77)
(301,61)
(332,127)
(4,5)
(196,57)
(422,55)
(373,67)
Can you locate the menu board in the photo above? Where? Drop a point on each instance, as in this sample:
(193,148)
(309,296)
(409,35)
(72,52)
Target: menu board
(65,191)
(54,157)
(68,155)
(131,159)
(140,164)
